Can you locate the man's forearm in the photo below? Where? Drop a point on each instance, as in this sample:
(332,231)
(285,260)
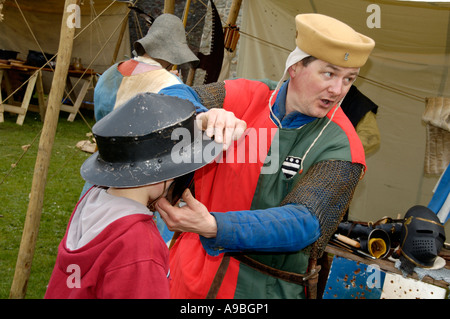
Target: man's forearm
(280,229)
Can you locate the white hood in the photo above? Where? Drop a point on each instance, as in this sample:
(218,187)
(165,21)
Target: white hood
(95,212)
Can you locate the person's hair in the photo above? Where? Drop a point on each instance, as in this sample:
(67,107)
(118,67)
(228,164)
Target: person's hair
(308,60)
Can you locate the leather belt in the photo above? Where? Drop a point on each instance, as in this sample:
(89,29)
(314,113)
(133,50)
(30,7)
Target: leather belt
(299,279)
(288,276)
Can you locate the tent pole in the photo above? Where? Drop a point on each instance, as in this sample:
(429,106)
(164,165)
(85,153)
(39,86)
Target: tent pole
(230,39)
(32,219)
(186,12)
(120,38)
(185,16)
(169,6)
(234,12)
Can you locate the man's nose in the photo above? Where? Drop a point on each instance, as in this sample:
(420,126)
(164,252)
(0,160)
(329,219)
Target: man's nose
(336,86)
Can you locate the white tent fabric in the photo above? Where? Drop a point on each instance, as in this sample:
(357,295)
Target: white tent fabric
(410,63)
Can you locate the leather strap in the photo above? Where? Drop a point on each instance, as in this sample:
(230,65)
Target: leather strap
(218,278)
(299,279)
(309,279)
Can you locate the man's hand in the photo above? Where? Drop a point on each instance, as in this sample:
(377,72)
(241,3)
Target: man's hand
(223,125)
(193,217)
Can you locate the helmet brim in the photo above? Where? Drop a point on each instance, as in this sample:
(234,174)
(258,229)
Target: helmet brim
(174,164)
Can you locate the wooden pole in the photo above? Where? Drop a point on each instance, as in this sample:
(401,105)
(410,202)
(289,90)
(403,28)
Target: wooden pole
(186,12)
(120,38)
(185,16)
(32,219)
(169,6)
(230,39)
(234,12)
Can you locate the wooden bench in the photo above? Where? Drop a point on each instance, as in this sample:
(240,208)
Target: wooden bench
(87,77)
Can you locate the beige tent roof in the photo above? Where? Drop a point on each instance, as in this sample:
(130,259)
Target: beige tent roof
(44,19)
(410,62)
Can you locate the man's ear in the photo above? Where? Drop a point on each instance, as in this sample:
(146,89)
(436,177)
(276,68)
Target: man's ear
(293,69)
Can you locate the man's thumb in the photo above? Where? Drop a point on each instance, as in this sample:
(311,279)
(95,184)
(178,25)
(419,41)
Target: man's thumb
(189,199)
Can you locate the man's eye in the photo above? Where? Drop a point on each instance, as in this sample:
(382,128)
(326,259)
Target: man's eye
(349,80)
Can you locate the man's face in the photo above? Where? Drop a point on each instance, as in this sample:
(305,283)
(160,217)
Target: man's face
(314,89)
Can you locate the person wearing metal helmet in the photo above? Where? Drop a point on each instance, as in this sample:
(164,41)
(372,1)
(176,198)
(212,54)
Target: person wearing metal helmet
(272,214)
(149,71)
(112,247)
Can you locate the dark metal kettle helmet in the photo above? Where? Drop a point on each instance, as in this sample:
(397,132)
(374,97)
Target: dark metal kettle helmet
(423,236)
(149,139)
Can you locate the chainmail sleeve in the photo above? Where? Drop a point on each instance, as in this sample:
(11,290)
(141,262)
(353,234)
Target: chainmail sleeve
(211,95)
(326,190)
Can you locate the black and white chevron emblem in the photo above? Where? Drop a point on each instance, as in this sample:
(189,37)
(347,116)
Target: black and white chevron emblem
(291,166)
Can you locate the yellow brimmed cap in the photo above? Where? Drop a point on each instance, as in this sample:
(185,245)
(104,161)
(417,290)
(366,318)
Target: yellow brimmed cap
(332,41)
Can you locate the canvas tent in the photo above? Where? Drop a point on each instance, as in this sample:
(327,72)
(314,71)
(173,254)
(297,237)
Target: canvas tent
(32,25)
(99,39)
(410,63)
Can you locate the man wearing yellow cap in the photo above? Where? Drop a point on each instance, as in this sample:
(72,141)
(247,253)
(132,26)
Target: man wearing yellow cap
(257,227)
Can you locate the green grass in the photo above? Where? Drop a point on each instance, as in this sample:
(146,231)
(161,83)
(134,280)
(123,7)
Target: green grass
(62,191)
